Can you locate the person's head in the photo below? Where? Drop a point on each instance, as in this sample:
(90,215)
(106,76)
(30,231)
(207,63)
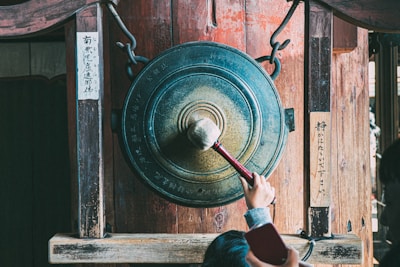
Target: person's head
(389,175)
(228,249)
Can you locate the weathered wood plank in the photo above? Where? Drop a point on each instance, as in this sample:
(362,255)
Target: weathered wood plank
(36,16)
(183,248)
(318,86)
(351,182)
(262,18)
(377,15)
(209,20)
(137,207)
(223,23)
(89,122)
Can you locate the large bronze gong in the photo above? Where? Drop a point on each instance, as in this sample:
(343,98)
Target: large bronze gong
(182,85)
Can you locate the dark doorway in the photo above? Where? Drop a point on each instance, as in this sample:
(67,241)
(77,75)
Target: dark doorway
(34,168)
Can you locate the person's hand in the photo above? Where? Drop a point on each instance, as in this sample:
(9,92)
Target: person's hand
(292,260)
(260,195)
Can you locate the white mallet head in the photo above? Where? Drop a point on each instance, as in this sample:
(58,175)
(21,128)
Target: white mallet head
(203,133)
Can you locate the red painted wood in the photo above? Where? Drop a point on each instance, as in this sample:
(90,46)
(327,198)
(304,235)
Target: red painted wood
(137,208)
(218,21)
(158,25)
(214,20)
(35,16)
(262,19)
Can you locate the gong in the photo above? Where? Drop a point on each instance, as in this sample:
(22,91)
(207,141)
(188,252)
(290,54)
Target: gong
(189,82)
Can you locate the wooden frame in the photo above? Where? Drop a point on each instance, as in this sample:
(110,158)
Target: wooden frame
(69,249)
(183,249)
(26,19)
(376,15)
(90,88)
(318,84)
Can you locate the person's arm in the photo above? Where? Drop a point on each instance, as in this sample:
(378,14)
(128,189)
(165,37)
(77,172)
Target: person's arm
(257,217)
(258,197)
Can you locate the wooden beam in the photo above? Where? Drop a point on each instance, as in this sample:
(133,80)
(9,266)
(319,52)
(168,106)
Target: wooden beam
(183,249)
(377,15)
(345,37)
(36,16)
(90,88)
(318,86)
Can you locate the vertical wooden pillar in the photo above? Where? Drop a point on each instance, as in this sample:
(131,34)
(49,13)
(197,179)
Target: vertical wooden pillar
(387,106)
(387,110)
(318,50)
(89,86)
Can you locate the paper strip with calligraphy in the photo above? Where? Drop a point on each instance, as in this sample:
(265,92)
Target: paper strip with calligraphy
(88,65)
(320,159)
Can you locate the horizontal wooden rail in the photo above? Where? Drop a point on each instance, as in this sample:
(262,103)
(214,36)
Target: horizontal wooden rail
(183,248)
(377,15)
(38,16)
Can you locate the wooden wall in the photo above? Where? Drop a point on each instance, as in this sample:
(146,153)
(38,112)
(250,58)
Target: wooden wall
(350,145)
(158,25)
(246,25)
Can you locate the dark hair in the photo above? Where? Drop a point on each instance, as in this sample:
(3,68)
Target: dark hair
(227,249)
(389,169)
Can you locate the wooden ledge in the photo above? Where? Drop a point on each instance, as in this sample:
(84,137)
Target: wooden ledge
(183,249)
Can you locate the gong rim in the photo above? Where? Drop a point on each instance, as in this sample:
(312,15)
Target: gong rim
(188,82)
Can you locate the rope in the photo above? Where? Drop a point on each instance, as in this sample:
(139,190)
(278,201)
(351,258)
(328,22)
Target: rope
(312,242)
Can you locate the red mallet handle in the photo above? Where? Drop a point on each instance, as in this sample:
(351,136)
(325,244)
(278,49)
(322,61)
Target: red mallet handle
(234,162)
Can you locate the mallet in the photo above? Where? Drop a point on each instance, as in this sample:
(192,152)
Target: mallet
(204,134)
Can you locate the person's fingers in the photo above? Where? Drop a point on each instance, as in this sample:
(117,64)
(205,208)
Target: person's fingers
(253,261)
(263,181)
(256,178)
(293,257)
(271,193)
(273,201)
(245,185)
(273,190)
(267,185)
(304,264)
(292,253)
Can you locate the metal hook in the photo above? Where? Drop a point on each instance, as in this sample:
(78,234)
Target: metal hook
(276,45)
(128,47)
(122,25)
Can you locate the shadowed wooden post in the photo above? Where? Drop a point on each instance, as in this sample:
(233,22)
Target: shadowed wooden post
(89,82)
(318,86)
